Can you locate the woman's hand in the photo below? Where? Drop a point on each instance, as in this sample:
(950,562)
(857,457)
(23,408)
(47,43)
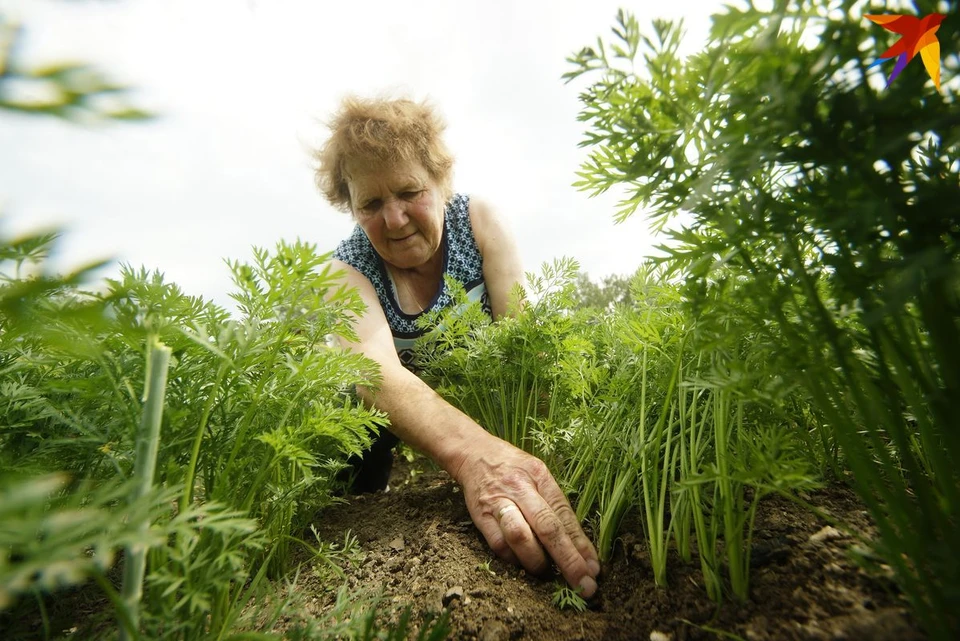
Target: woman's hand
(521,511)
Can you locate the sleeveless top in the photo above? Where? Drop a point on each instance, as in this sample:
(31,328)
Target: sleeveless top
(461,260)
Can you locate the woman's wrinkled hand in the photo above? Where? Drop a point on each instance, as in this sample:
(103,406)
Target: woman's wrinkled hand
(524,516)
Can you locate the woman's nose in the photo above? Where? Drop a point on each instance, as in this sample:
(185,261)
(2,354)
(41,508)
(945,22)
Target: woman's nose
(394,213)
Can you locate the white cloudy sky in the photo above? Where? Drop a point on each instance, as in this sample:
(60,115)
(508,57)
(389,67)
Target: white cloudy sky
(241,86)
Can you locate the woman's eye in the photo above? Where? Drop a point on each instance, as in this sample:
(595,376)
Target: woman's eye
(410,195)
(371,207)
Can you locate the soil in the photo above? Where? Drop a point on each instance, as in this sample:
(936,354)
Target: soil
(420,547)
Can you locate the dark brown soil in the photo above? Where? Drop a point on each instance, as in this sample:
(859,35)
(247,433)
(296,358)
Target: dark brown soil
(419,545)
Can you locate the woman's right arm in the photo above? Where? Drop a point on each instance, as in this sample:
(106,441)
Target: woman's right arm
(492,472)
(418,415)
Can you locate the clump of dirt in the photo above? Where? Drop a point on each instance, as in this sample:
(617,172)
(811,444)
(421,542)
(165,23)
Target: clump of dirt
(421,548)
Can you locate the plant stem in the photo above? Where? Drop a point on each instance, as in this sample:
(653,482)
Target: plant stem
(656,472)
(148,441)
(188,485)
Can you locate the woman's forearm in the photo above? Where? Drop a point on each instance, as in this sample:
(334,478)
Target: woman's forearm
(423,420)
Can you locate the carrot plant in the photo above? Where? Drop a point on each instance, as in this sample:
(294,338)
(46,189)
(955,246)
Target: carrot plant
(256,422)
(692,504)
(631,461)
(506,375)
(52,539)
(656,327)
(822,205)
(599,473)
(623,451)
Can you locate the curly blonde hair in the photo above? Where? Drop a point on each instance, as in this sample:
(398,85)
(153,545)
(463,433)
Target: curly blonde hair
(382,132)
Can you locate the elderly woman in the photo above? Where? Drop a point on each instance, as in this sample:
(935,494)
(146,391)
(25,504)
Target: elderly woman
(386,164)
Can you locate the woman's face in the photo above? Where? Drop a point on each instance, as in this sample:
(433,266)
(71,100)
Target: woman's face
(401,211)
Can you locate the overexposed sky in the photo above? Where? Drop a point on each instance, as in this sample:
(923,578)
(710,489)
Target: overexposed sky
(241,87)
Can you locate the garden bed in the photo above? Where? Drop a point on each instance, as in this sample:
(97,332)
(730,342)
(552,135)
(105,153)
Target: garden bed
(419,545)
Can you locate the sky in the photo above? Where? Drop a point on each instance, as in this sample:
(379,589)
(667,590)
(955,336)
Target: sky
(242,87)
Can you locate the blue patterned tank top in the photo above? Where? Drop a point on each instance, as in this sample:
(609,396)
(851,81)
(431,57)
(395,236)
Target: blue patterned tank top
(461,260)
